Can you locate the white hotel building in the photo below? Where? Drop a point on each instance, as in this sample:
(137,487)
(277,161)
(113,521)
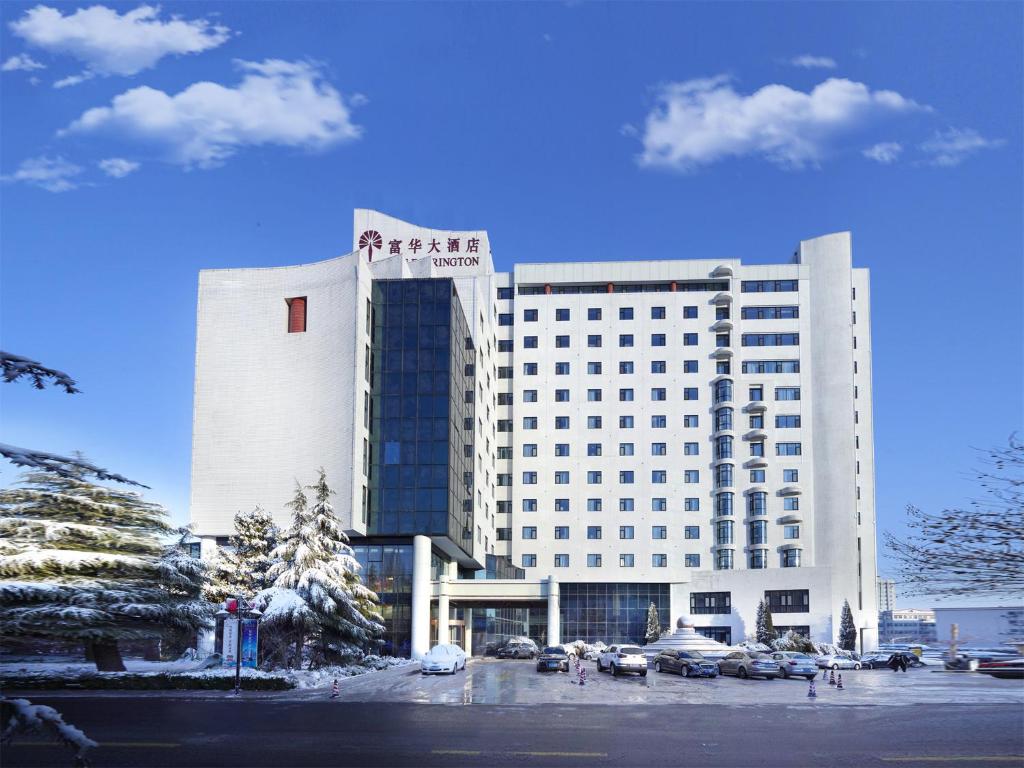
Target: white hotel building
(546,451)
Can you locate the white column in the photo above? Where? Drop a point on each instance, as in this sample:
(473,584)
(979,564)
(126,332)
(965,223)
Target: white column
(420,596)
(467,632)
(554,628)
(443,632)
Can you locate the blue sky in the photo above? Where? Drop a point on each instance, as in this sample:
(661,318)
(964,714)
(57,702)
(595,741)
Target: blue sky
(141,145)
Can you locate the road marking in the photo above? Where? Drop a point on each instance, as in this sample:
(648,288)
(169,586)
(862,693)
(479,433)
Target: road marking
(455,751)
(561,754)
(161,744)
(957,759)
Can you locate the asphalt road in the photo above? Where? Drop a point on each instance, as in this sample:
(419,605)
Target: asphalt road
(155,731)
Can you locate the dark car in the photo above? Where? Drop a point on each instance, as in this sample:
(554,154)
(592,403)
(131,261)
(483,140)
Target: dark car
(881,660)
(1007,669)
(517,651)
(553,659)
(687,663)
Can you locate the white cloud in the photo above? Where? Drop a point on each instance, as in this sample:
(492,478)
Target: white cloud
(698,122)
(953,146)
(64,82)
(885,152)
(118,167)
(277,102)
(807,61)
(115,44)
(54,174)
(21,62)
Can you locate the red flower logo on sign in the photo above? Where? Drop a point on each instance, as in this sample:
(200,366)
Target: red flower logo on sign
(370,239)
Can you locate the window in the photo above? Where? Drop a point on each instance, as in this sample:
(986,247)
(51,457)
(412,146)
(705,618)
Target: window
(529,450)
(757,503)
(626,504)
(561,477)
(593,478)
(691,532)
(504,534)
(593,422)
(691,420)
(691,504)
(787,422)
(561,449)
(529,561)
(657,313)
(770,313)
(625,561)
(594,340)
(659,476)
(771,366)
(723,447)
(529,369)
(562,342)
(529,531)
(723,559)
(593,531)
(529,315)
(503,480)
(659,532)
(504,507)
(790,476)
(757,421)
(771,339)
(561,505)
(529,395)
(561,369)
(768,286)
(657,393)
(659,504)
(626,477)
(787,449)
(658,366)
(561,561)
(691,476)
(724,532)
(593,449)
(723,391)
(758,533)
(505,318)
(758,559)
(710,602)
(723,476)
(529,505)
(626,367)
(723,419)
(504,293)
(791,558)
(594,313)
(625,449)
(721,313)
(625,531)
(657,339)
(659,561)
(625,340)
(723,504)
(504,398)
(689,339)
(791,532)
(504,425)
(504,451)
(791,504)
(788,600)
(296,314)
(529,342)
(504,345)
(561,395)
(690,366)
(561,315)
(529,478)
(561,422)
(659,422)
(625,422)
(757,476)
(691,449)
(625,313)
(625,395)
(593,561)
(529,422)
(659,449)
(722,340)
(594,505)
(691,561)
(756,393)
(561,531)
(593,368)
(690,313)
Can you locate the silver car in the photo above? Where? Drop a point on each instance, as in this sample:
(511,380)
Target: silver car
(795,664)
(750,664)
(835,661)
(623,658)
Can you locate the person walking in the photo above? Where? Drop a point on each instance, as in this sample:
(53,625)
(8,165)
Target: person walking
(894,662)
(903,663)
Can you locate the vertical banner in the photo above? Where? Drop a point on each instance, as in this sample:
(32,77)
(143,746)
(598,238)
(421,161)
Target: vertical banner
(250,642)
(229,648)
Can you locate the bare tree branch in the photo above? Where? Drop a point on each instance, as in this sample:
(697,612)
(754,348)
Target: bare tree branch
(15,367)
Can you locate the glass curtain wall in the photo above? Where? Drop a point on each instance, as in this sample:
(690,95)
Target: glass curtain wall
(612,613)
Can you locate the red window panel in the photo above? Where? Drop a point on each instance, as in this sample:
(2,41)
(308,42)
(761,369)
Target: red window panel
(297,314)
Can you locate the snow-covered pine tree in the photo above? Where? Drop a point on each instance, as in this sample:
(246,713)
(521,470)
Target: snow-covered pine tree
(84,562)
(316,591)
(764,629)
(847,629)
(241,570)
(653,624)
(769,623)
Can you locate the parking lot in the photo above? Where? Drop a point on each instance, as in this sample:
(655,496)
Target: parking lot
(493,681)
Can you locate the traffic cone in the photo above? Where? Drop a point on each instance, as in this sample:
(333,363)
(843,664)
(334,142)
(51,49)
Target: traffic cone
(583,675)
(832,678)
(812,693)
(839,685)
(334,689)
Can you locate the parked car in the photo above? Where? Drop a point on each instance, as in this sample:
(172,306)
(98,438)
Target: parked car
(443,658)
(687,663)
(749,664)
(880,659)
(517,651)
(553,659)
(622,658)
(835,661)
(794,664)
(1004,668)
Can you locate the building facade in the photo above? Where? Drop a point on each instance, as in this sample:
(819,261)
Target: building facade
(886,595)
(547,451)
(909,625)
(988,626)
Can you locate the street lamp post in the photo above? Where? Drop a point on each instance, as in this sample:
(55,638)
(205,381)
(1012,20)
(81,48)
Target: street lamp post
(238,606)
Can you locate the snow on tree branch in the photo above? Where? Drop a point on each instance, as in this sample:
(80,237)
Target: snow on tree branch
(16,367)
(20,716)
(64,466)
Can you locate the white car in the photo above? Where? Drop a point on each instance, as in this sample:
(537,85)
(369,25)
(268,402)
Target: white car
(835,661)
(443,658)
(622,658)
